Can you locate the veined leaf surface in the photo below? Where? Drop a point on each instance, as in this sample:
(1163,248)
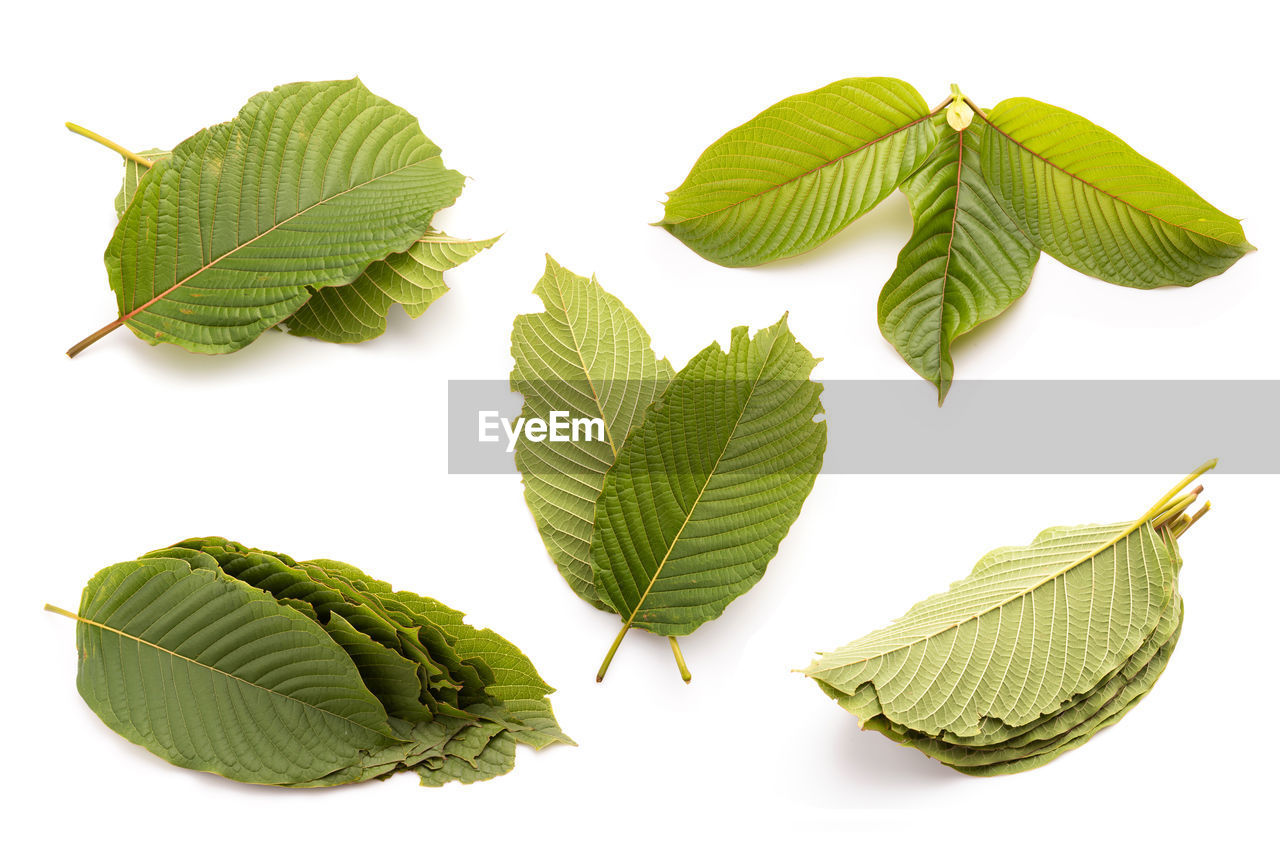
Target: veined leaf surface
(965,263)
(586,355)
(1015,619)
(176,659)
(1040,647)
(358,311)
(1086,197)
(800,171)
(306,187)
(704,491)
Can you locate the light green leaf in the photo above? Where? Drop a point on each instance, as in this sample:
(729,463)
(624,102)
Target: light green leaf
(588,356)
(800,171)
(704,491)
(305,188)
(965,263)
(1037,649)
(177,659)
(1013,620)
(1084,196)
(358,311)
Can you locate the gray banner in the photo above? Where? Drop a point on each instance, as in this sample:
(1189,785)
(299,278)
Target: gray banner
(986,427)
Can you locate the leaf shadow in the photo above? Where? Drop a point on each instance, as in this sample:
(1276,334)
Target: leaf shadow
(175,360)
(870,760)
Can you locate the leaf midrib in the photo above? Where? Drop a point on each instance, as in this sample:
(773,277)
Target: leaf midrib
(577,349)
(124,318)
(946,267)
(1124,534)
(805,174)
(232,676)
(657,572)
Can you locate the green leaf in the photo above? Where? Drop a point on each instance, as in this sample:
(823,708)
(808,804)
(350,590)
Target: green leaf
(1088,199)
(704,491)
(586,355)
(800,171)
(305,188)
(433,690)
(1037,649)
(358,311)
(965,263)
(176,659)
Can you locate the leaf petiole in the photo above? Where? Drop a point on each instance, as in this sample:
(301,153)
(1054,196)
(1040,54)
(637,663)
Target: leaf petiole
(67,613)
(114,146)
(95,337)
(608,658)
(684,668)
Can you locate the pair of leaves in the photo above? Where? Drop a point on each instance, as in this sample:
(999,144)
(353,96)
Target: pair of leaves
(309,208)
(1037,649)
(988,193)
(264,669)
(679,507)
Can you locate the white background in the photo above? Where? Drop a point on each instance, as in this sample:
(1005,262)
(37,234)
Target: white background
(573,121)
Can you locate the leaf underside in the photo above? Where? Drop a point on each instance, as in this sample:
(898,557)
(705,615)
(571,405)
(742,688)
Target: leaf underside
(304,189)
(800,171)
(1037,649)
(1087,198)
(357,312)
(586,355)
(966,261)
(264,669)
(705,489)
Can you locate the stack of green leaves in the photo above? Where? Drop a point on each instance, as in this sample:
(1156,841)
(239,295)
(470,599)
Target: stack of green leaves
(264,669)
(310,211)
(678,507)
(1028,657)
(988,192)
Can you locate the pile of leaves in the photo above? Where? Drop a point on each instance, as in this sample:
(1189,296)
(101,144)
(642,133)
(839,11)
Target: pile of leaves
(263,669)
(310,211)
(1037,650)
(989,191)
(679,507)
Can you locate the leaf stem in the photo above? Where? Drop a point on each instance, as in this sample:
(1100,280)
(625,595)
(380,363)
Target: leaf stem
(114,146)
(1199,515)
(684,669)
(1164,502)
(608,659)
(95,337)
(977,109)
(1175,510)
(67,613)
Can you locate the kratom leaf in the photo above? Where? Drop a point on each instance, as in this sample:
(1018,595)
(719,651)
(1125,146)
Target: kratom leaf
(358,311)
(1084,196)
(800,171)
(586,355)
(305,188)
(965,263)
(1037,649)
(705,489)
(383,680)
(1043,179)
(177,659)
